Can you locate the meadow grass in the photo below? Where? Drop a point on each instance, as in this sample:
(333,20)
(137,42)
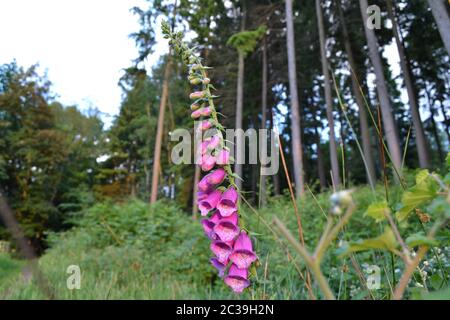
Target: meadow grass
(137,251)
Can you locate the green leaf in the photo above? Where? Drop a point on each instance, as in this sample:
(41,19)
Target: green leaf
(436,281)
(424,191)
(419,239)
(422,176)
(386,241)
(378,211)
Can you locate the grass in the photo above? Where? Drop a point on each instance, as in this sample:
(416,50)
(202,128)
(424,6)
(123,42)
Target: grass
(136,251)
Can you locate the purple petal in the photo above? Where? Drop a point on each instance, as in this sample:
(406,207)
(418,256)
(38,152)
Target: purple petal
(208,162)
(226,230)
(228,202)
(223,157)
(216,177)
(243,242)
(219,266)
(210,202)
(221,250)
(204,185)
(237,279)
(243,258)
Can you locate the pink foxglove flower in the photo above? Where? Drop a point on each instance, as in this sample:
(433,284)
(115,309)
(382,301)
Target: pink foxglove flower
(223,157)
(237,279)
(222,250)
(227,228)
(214,142)
(243,255)
(216,177)
(208,162)
(209,224)
(219,266)
(230,244)
(210,202)
(228,202)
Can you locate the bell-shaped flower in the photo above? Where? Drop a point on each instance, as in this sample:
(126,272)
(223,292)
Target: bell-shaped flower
(223,157)
(204,186)
(221,250)
(219,266)
(237,279)
(208,225)
(243,255)
(216,177)
(228,202)
(214,142)
(210,203)
(208,162)
(227,229)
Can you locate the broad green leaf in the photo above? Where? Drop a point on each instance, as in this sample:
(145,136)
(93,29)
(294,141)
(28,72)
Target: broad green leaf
(386,241)
(419,239)
(418,195)
(422,176)
(378,211)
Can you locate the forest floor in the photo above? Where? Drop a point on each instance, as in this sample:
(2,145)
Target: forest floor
(137,251)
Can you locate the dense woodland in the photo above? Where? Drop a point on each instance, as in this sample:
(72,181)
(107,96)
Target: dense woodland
(348,113)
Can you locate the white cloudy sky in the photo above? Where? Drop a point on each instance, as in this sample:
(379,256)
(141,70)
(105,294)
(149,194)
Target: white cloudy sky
(82,44)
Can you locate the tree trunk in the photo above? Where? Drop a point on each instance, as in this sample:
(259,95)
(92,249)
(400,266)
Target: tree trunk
(262,187)
(439,8)
(239,107)
(434,127)
(320,165)
(328,96)
(159,132)
(297,151)
(389,125)
(362,112)
(421,142)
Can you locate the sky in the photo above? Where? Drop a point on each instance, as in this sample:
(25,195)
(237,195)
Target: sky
(83,45)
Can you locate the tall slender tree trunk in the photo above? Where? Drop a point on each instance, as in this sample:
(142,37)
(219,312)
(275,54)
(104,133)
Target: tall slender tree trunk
(159,131)
(421,141)
(239,106)
(389,125)
(446,120)
(439,8)
(276,177)
(362,112)
(328,96)
(262,187)
(434,128)
(297,151)
(320,164)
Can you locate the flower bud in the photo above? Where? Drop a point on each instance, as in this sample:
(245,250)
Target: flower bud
(195,81)
(196,114)
(206,112)
(195,106)
(206,81)
(197,95)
